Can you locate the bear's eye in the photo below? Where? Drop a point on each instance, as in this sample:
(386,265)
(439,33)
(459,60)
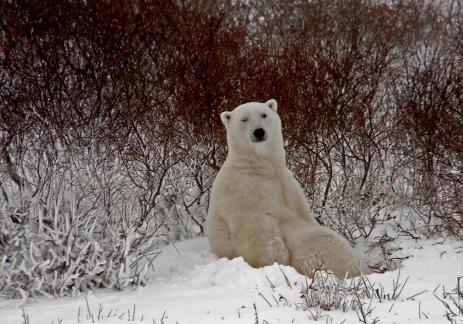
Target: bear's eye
(244,120)
(264,115)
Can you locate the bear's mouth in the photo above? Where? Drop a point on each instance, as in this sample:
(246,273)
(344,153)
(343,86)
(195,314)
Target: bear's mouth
(258,140)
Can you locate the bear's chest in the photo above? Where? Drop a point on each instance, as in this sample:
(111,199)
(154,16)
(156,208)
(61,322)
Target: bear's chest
(254,192)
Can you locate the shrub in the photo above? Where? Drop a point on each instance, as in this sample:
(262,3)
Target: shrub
(110,136)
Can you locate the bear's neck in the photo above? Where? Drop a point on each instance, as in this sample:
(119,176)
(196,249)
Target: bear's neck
(257,162)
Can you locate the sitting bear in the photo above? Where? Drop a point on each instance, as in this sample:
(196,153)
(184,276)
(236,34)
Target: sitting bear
(257,208)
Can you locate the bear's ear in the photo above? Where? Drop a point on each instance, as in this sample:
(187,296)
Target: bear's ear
(225,116)
(272,103)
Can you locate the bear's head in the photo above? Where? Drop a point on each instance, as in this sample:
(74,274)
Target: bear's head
(254,127)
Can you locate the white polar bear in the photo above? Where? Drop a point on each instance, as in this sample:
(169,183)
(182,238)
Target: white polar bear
(257,208)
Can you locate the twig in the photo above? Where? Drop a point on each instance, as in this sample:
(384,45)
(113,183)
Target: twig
(390,308)
(271,283)
(255,314)
(413,296)
(260,294)
(89,311)
(286,278)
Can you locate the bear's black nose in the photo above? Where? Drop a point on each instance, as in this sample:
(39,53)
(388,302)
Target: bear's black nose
(259,134)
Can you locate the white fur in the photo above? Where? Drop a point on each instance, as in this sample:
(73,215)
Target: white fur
(257,208)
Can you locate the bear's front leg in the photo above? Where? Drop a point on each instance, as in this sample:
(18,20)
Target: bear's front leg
(257,238)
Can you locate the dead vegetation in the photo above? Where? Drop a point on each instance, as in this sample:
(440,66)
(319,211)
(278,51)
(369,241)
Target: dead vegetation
(110,136)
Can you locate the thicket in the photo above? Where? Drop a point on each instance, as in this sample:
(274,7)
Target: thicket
(110,135)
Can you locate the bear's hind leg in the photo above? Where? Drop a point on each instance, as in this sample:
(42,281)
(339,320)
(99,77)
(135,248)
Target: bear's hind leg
(314,247)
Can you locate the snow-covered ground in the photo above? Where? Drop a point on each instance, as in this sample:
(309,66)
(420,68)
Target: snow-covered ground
(192,286)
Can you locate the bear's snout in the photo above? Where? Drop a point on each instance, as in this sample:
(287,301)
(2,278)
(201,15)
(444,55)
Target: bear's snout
(259,134)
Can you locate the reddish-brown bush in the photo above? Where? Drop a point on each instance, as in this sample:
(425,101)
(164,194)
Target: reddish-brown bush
(120,100)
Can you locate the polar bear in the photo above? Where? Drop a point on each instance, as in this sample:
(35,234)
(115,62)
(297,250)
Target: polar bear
(257,208)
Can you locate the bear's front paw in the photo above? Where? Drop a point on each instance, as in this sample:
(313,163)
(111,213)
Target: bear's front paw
(278,251)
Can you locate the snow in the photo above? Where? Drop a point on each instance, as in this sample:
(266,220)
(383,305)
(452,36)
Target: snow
(189,285)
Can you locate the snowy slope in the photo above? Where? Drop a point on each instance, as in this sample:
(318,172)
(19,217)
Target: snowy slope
(192,286)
